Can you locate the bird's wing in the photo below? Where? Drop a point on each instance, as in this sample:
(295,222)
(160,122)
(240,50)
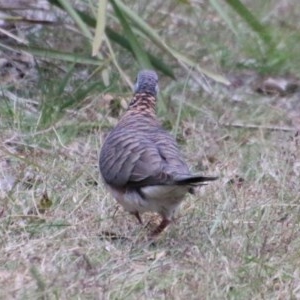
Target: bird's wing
(137,160)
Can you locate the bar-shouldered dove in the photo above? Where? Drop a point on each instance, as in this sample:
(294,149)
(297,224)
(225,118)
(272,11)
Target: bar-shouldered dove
(140,161)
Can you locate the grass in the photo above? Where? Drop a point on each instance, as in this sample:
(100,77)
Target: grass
(237,238)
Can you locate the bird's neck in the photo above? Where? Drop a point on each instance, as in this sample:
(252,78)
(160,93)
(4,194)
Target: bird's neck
(143,104)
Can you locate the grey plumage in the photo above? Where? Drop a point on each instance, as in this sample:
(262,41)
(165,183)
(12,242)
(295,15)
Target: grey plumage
(140,161)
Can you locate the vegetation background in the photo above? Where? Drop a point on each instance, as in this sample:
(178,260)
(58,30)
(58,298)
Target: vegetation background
(229,91)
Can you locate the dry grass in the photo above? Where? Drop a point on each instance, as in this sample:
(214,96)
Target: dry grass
(234,239)
(237,238)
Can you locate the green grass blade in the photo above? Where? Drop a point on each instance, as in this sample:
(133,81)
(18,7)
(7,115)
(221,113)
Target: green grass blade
(76,17)
(155,61)
(143,26)
(115,61)
(219,7)
(100,27)
(121,40)
(61,86)
(138,50)
(55,54)
(157,40)
(152,35)
(252,22)
(192,64)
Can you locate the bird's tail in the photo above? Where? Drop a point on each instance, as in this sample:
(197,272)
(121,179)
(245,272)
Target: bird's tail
(194,180)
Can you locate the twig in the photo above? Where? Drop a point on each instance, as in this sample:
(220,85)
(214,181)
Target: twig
(259,127)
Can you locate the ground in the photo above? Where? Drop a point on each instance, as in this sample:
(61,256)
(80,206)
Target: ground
(63,236)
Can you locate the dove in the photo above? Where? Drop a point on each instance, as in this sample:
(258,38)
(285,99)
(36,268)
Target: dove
(140,162)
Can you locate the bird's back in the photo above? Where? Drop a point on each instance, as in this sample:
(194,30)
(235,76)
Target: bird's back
(138,150)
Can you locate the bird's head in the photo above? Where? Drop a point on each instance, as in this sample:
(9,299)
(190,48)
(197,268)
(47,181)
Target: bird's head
(146,82)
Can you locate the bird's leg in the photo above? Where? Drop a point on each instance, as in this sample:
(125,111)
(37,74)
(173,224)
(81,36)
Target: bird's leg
(137,215)
(163,224)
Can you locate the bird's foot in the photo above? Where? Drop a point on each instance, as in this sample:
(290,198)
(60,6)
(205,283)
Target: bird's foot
(137,215)
(160,228)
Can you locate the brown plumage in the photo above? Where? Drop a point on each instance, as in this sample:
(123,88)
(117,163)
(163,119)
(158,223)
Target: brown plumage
(140,161)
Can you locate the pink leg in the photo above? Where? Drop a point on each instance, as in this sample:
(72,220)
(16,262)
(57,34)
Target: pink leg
(163,224)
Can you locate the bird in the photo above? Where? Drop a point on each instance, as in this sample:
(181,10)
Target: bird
(140,162)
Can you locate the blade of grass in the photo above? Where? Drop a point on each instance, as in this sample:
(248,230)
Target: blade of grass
(13,36)
(155,62)
(150,34)
(120,70)
(219,7)
(65,56)
(143,26)
(54,54)
(175,130)
(157,40)
(121,40)
(138,50)
(62,84)
(76,17)
(252,22)
(190,63)
(100,27)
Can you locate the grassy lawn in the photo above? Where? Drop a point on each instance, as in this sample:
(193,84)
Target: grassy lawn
(63,236)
